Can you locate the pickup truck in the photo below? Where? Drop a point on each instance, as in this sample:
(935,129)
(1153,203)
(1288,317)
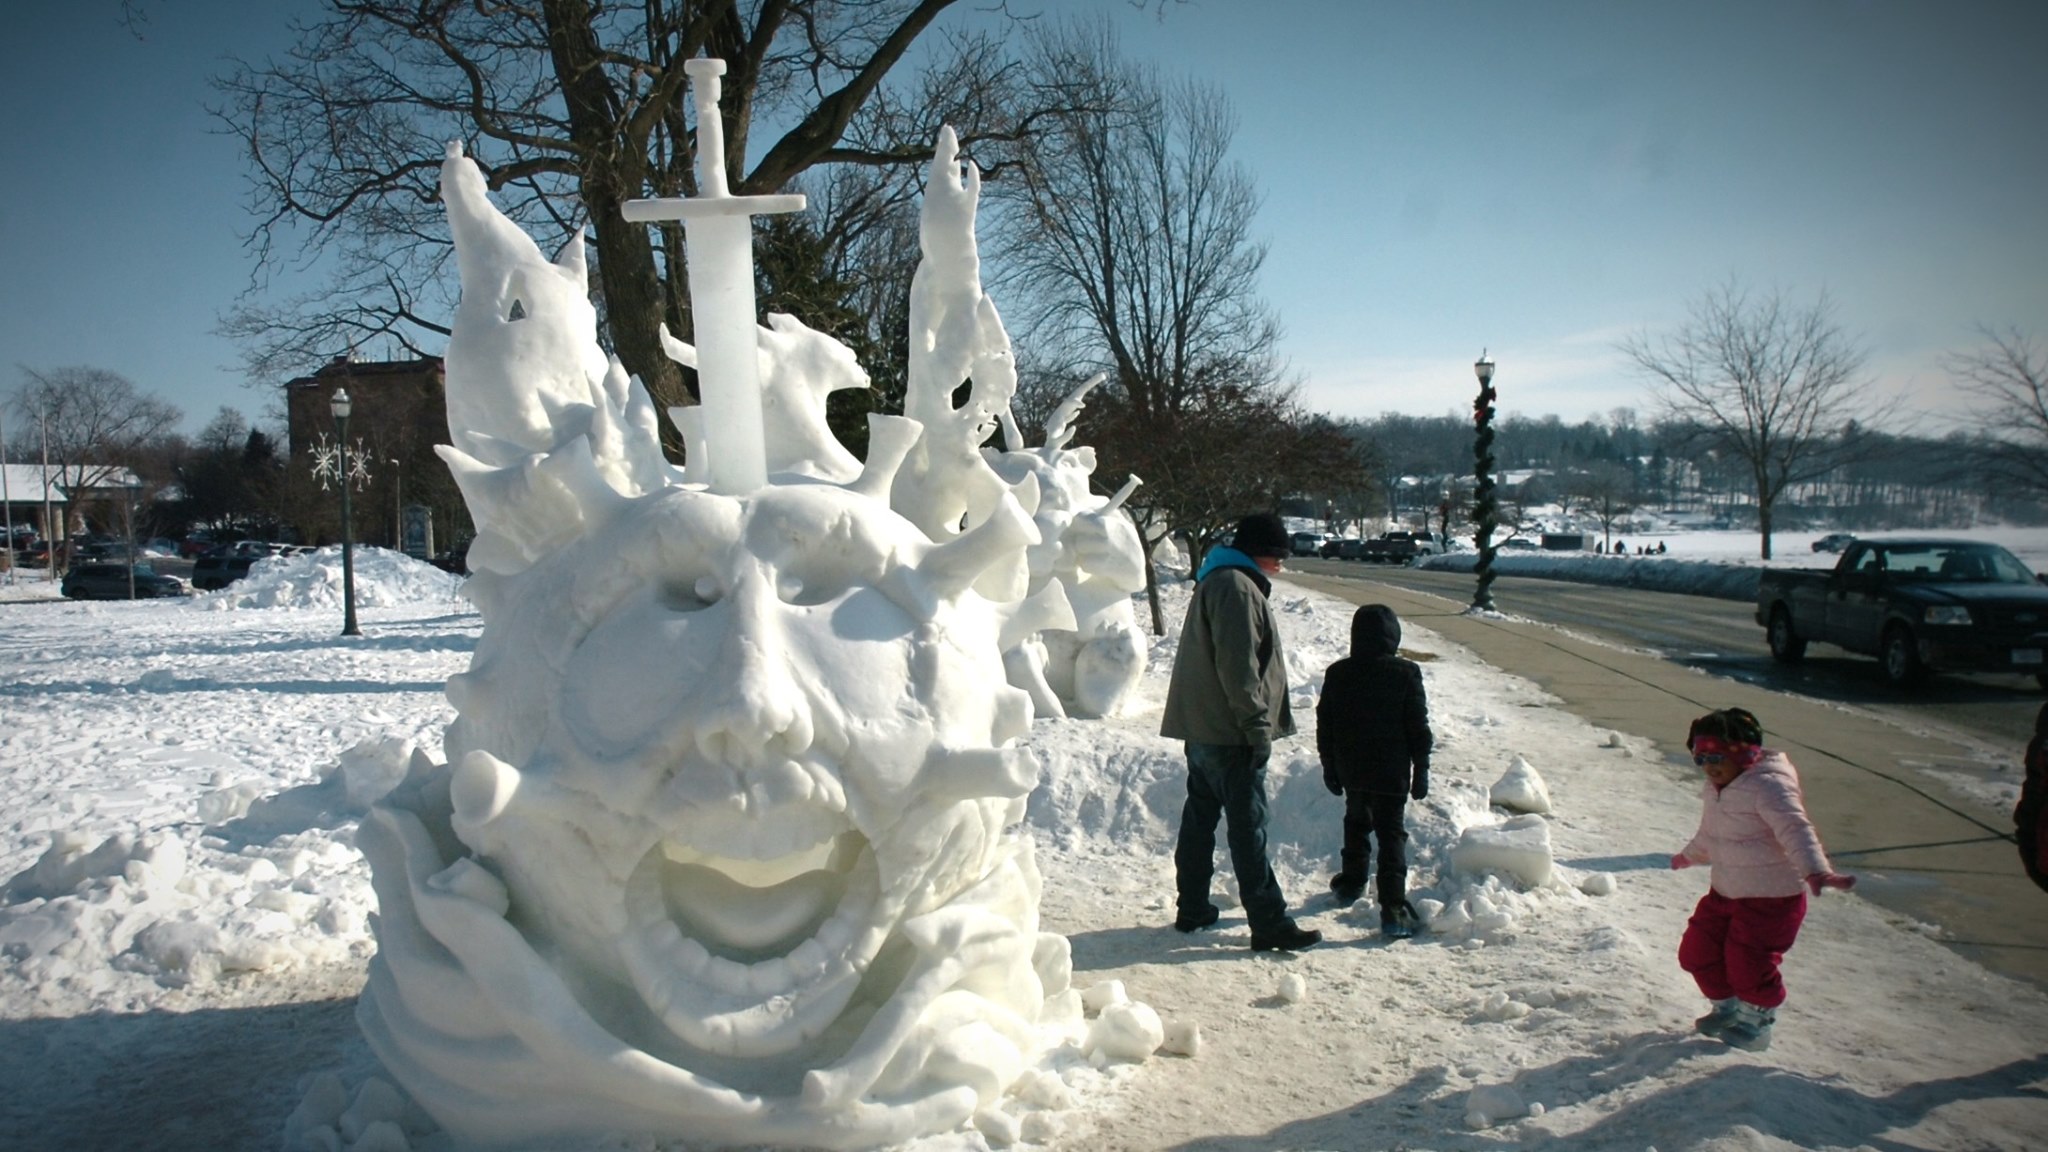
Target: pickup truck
(1400,547)
(1917,604)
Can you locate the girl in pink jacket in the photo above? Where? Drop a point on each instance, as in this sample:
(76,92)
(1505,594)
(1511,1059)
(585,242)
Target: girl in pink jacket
(1766,857)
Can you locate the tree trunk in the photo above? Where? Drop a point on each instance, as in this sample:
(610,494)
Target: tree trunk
(1152,586)
(611,175)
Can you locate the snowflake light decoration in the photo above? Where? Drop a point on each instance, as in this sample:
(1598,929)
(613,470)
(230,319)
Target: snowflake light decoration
(327,464)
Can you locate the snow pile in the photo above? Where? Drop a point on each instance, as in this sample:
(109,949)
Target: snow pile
(383,579)
(1652,573)
(262,887)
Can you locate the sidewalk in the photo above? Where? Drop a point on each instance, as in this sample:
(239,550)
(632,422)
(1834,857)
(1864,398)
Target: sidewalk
(1915,849)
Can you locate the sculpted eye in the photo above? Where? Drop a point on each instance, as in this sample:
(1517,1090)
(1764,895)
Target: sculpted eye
(684,595)
(810,590)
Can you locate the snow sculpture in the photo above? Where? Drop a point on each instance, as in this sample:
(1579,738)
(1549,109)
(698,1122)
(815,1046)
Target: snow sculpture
(1090,551)
(724,848)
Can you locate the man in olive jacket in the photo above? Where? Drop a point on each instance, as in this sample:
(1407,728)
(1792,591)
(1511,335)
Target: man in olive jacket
(1228,701)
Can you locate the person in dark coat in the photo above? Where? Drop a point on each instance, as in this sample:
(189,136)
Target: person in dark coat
(1372,733)
(2031,815)
(1228,701)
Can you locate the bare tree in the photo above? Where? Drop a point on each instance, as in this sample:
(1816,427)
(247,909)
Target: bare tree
(1128,238)
(1771,381)
(1607,491)
(571,107)
(97,422)
(2012,375)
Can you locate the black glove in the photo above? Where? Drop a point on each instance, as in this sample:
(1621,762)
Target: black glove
(1420,788)
(1331,782)
(1262,748)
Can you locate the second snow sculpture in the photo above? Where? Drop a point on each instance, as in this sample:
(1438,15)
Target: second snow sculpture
(725,845)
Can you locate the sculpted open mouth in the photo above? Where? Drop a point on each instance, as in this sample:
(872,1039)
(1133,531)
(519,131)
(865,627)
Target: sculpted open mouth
(748,932)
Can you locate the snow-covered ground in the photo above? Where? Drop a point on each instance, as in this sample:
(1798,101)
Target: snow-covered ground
(175,974)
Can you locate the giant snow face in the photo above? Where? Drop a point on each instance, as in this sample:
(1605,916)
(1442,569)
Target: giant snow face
(724,847)
(740,774)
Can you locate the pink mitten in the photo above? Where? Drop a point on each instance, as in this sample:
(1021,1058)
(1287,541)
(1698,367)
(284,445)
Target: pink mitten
(1821,880)
(1681,860)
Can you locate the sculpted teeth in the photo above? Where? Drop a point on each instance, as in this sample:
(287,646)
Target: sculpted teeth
(845,942)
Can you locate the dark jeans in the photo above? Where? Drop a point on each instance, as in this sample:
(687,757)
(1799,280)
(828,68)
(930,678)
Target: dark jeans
(1370,814)
(1224,780)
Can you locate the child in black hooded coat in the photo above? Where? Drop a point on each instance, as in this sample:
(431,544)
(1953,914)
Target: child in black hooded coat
(1372,734)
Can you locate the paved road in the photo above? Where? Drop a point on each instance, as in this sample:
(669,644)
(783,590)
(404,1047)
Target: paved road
(1722,637)
(1872,782)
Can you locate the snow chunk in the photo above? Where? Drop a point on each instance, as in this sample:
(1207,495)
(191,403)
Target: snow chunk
(998,1127)
(1598,884)
(1292,988)
(1128,1031)
(1489,1104)
(1183,1038)
(1519,847)
(1520,789)
(1098,997)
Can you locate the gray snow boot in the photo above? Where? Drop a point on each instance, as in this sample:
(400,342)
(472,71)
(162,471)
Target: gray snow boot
(1716,1022)
(1751,1029)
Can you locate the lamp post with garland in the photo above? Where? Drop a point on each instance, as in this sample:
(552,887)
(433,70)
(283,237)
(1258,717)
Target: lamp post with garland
(1485,509)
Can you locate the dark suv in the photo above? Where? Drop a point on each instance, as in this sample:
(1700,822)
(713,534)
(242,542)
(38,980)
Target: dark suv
(217,570)
(110,582)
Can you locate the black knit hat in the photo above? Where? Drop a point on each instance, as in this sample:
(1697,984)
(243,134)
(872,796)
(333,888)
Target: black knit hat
(1261,534)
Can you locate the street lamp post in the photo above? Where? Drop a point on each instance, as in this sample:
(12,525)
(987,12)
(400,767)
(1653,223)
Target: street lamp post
(7,498)
(397,504)
(1484,508)
(340,406)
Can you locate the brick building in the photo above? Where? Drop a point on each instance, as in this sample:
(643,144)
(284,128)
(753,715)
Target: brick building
(399,412)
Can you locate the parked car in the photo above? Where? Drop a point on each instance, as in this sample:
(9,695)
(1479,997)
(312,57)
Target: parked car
(1518,544)
(1307,543)
(1917,604)
(1401,547)
(455,560)
(1834,542)
(217,570)
(110,582)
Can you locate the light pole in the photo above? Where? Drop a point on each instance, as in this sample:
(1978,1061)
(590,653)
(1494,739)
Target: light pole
(7,498)
(340,407)
(1483,506)
(397,504)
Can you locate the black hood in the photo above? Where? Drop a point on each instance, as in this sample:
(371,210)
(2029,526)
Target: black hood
(1375,631)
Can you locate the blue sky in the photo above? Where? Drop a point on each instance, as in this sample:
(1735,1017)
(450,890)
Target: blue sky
(1537,179)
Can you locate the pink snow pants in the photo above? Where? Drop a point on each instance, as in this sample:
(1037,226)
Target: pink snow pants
(1733,947)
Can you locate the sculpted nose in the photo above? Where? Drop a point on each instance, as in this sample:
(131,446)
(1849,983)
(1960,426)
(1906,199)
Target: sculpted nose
(753,706)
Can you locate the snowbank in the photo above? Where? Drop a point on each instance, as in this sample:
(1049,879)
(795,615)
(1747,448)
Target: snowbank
(383,579)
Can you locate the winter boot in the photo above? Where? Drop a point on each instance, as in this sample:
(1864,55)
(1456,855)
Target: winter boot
(1751,1029)
(1346,888)
(1288,937)
(1716,1022)
(1399,920)
(1197,920)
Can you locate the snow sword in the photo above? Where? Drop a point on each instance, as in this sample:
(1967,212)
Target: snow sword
(718,246)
